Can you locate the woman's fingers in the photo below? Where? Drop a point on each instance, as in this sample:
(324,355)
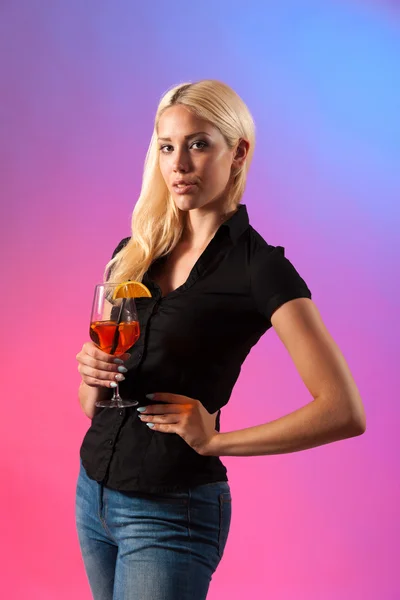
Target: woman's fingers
(93,382)
(99,368)
(161,409)
(96,377)
(97,373)
(166,414)
(160,419)
(90,349)
(98,364)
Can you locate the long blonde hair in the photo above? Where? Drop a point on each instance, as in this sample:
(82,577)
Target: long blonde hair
(157,224)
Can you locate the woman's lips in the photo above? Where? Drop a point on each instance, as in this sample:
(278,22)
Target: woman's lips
(184,188)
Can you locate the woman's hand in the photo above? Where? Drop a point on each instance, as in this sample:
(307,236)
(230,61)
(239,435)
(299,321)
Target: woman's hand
(99,369)
(182,415)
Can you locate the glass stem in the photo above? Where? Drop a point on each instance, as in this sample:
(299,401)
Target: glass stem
(116,397)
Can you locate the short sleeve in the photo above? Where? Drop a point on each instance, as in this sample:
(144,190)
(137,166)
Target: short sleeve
(121,245)
(274,280)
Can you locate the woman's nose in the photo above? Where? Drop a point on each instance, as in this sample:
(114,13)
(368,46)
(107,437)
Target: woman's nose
(180,168)
(181,162)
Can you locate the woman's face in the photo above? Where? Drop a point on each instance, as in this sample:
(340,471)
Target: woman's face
(194,159)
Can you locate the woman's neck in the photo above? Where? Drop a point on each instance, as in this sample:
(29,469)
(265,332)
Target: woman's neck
(201,227)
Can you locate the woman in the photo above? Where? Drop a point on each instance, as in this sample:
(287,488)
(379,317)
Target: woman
(153,501)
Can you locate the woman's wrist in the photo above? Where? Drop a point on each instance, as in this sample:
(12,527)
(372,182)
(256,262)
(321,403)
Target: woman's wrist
(88,396)
(214,445)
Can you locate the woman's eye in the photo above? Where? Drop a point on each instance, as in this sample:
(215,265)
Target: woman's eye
(200,145)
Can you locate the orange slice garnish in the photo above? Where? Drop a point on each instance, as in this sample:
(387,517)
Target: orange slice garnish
(131,289)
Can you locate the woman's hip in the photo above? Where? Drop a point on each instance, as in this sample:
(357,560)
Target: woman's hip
(195,521)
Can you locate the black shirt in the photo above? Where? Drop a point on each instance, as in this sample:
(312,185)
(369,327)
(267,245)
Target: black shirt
(193,342)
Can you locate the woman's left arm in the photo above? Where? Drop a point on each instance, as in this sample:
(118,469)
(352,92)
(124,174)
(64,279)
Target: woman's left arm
(335,413)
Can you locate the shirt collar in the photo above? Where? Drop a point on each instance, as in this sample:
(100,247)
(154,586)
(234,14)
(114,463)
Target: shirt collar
(237,223)
(234,226)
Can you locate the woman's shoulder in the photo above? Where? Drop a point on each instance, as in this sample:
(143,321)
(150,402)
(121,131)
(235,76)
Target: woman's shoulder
(270,261)
(260,248)
(274,278)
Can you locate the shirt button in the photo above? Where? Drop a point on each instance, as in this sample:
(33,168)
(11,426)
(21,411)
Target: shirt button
(121,412)
(110,442)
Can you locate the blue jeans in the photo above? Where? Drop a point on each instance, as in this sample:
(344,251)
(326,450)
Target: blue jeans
(139,546)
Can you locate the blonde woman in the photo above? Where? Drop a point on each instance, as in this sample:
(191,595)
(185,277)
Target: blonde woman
(153,503)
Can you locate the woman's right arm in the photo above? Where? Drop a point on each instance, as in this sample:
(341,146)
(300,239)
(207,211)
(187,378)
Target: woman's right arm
(99,372)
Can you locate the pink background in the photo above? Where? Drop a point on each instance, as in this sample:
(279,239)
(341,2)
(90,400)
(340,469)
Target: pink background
(80,82)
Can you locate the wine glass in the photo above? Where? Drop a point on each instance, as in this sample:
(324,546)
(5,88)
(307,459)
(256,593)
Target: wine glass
(114,328)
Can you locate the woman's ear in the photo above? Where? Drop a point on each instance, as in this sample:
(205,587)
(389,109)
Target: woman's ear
(240,155)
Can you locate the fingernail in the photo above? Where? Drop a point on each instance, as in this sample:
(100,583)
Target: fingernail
(122,370)
(113,384)
(141,408)
(151,425)
(119,377)
(150,396)
(118,361)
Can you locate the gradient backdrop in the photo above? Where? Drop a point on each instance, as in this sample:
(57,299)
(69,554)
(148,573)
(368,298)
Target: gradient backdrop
(80,82)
